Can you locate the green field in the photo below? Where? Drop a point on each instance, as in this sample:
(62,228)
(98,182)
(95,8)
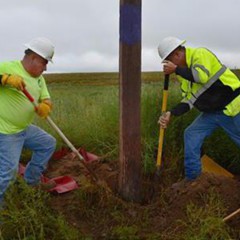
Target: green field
(86,109)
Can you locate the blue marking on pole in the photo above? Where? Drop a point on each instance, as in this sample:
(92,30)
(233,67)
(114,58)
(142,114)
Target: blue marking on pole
(130,24)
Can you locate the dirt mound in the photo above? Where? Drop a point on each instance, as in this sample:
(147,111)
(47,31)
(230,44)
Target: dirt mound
(95,211)
(72,166)
(180,196)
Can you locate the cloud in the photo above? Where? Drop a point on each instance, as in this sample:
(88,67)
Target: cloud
(86,33)
(90,61)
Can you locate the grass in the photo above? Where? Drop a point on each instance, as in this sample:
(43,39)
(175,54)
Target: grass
(98,78)
(86,109)
(205,222)
(27,216)
(125,233)
(87,115)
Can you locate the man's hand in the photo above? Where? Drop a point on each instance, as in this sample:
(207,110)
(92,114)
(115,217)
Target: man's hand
(169,67)
(44,108)
(164,119)
(13,81)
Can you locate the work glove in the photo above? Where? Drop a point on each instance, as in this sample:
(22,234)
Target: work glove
(13,81)
(44,108)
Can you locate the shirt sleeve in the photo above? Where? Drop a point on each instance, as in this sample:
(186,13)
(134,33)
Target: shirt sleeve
(201,64)
(44,90)
(180,109)
(185,72)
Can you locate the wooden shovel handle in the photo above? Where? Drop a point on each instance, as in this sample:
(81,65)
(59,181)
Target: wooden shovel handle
(231,215)
(61,134)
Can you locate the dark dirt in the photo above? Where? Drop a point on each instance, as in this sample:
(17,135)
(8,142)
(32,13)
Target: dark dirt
(95,211)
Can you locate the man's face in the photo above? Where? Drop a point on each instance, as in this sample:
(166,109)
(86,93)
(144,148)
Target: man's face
(177,57)
(38,65)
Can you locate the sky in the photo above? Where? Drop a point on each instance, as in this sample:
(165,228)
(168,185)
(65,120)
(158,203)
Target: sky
(85,33)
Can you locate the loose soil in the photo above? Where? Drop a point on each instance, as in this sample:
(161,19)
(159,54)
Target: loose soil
(98,212)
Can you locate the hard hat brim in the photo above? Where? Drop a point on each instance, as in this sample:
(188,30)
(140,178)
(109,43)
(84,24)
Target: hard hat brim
(33,49)
(172,49)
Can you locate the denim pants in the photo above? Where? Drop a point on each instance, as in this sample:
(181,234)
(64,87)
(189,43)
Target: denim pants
(38,141)
(195,134)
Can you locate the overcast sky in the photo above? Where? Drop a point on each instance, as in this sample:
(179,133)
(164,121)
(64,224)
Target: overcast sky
(86,32)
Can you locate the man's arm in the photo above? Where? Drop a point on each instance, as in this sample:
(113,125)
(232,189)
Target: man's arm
(185,72)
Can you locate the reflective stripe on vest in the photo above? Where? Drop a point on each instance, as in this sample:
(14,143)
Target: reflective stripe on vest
(195,72)
(205,87)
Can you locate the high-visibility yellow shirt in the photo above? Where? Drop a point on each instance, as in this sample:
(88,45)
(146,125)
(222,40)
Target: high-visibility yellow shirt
(16,111)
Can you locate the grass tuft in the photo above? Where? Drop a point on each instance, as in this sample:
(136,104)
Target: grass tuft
(26,215)
(205,222)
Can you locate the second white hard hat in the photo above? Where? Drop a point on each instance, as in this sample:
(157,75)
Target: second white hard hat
(167,45)
(42,46)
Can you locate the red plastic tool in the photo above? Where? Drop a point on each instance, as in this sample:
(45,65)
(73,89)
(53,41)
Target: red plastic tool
(64,183)
(65,152)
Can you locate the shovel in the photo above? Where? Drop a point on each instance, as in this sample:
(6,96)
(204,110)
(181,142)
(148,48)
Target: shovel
(162,130)
(64,138)
(63,183)
(208,164)
(231,215)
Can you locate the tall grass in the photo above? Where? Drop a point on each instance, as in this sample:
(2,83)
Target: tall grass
(89,117)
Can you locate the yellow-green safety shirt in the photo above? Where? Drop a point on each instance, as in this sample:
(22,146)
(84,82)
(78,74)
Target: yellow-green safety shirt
(16,111)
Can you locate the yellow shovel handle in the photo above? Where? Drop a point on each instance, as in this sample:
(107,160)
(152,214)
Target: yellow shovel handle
(161,132)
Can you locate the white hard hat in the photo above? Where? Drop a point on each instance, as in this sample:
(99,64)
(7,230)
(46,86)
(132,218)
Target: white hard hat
(167,45)
(42,46)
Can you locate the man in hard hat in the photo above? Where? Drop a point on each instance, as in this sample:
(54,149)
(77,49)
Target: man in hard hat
(17,113)
(207,85)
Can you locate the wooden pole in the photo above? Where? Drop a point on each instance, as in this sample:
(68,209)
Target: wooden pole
(130,95)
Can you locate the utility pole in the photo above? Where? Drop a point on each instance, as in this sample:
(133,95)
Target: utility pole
(130,99)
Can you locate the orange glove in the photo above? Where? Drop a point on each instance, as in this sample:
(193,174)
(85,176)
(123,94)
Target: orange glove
(13,81)
(44,108)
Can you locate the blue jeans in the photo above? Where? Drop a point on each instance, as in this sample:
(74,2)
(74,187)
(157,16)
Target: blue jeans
(195,134)
(38,141)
